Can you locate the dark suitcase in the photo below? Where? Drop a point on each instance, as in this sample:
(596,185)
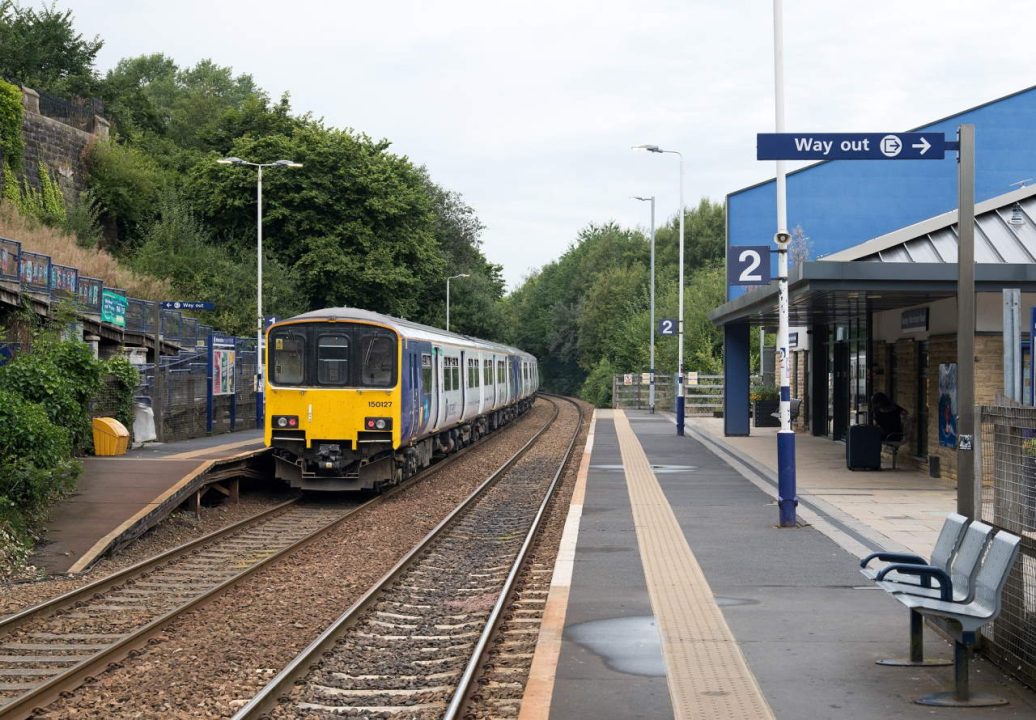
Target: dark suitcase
(863,448)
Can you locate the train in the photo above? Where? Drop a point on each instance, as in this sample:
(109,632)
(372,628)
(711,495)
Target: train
(357,400)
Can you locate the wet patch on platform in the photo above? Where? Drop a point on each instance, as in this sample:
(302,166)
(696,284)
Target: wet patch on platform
(627,645)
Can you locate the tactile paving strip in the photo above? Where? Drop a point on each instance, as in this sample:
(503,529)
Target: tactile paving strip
(707,674)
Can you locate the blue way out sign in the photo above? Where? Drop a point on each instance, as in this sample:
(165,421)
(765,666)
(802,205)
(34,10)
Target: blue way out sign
(851,146)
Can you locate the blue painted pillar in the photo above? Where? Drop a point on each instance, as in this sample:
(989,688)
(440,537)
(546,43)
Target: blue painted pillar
(736,378)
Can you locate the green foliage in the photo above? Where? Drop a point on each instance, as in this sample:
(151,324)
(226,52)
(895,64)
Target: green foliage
(46,205)
(36,377)
(35,462)
(126,185)
(597,388)
(41,49)
(12,145)
(355,225)
(179,247)
(125,379)
(12,191)
(763,393)
(83,220)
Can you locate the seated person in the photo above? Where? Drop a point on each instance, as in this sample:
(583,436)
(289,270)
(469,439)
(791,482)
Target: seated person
(888,416)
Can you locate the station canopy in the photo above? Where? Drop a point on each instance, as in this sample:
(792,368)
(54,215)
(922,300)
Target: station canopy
(910,266)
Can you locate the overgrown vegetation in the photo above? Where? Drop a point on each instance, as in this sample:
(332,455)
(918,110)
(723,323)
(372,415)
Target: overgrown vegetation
(587,315)
(45,396)
(12,145)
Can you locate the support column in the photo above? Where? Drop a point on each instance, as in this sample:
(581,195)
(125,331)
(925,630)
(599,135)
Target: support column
(818,391)
(736,379)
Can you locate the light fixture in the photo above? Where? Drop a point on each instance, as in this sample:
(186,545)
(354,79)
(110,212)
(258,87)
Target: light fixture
(1017,216)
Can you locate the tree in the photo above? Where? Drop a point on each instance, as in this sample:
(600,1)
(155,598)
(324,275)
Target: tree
(355,223)
(41,49)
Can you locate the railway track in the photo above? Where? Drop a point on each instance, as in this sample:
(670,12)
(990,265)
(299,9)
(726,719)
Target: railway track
(52,648)
(413,644)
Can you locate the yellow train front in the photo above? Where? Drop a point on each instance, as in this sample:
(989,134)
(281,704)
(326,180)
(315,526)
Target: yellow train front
(357,400)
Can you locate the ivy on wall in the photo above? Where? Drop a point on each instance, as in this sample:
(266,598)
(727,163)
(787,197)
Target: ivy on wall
(12,146)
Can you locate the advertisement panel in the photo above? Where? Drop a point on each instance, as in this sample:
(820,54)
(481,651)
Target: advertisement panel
(63,280)
(34,271)
(9,253)
(223,371)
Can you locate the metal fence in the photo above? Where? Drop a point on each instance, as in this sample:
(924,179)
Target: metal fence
(78,112)
(703,393)
(1007,443)
(185,402)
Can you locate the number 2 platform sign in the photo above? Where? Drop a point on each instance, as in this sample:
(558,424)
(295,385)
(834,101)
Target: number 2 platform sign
(748,265)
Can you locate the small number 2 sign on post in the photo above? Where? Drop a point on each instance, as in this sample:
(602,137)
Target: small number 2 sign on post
(667,327)
(748,265)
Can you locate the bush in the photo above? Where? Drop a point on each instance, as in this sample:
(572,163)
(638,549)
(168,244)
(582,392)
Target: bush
(597,388)
(61,377)
(12,145)
(127,379)
(35,462)
(125,184)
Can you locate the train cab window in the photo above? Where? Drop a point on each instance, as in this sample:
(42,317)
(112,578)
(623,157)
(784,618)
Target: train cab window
(333,360)
(378,361)
(288,359)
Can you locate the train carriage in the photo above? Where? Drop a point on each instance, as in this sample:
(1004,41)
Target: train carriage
(357,400)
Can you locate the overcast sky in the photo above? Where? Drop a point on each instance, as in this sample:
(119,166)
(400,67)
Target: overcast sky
(529,109)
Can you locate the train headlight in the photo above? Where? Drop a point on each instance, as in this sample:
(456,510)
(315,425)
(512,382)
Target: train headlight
(377,423)
(285,421)
(380,423)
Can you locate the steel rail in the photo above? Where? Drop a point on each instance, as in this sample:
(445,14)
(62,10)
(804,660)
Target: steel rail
(464,685)
(303,663)
(24,705)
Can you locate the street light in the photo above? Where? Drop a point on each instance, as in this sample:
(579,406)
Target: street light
(259,272)
(451,277)
(679,321)
(651,362)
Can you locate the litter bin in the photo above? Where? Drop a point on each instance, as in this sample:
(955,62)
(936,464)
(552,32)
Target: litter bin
(110,436)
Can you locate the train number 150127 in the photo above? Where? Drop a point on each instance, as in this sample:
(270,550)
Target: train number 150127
(380,403)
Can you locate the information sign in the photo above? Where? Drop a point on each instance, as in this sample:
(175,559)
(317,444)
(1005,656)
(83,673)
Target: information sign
(667,326)
(113,308)
(748,265)
(187,305)
(851,146)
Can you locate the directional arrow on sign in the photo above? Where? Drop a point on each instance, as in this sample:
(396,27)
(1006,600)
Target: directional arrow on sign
(922,146)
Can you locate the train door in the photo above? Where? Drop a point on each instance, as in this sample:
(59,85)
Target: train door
(410,413)
(428,394)
(465,378)
(439,398)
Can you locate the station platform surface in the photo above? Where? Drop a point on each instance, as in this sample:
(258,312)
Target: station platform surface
(675,594)
(116,495)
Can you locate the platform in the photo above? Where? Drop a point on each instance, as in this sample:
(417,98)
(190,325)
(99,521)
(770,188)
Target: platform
(119,498)
(676,595)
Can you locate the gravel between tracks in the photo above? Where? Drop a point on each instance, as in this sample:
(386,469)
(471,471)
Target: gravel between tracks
(179,528)
(213,660)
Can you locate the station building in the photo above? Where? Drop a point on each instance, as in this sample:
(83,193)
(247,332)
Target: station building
(872,298)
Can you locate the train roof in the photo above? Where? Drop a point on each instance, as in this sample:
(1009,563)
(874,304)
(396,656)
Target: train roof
(406,328)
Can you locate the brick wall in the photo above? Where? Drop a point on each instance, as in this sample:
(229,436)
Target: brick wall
(989,380)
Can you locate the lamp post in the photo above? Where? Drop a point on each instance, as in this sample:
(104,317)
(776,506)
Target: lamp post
(651,361)
(679,321)
(787,499)
(451,277)
(259,272)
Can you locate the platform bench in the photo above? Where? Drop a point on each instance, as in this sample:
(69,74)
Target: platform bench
(960,614)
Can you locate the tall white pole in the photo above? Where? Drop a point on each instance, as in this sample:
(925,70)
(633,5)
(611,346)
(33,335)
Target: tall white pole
(786,491)
(651,362)
(679,352)
(448,303)
(260,395)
